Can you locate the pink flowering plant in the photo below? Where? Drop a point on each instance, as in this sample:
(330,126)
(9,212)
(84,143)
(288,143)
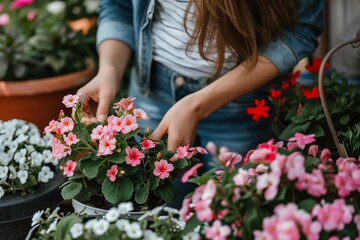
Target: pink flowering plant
(292,192)
(116,160)
(41,39)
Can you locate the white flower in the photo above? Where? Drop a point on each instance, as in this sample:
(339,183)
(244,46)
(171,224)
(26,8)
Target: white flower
(36,159)
(4,158)
(48,139)
(22,138)
(150,235)
(89,224)
(54,213)
(76,230)
(35,140)
(30,148)
(47,156)
(56,7)
(192,236)
(20,156)
(13,173)
(91,6)
(45,174)
(3,172)
(133,231)
(171,210)
(156,210)
(23,176)
(112,215)
(13,146)
(52,227)
(36,217)
(2,193)
(125,207)
(122,224)
(100,227)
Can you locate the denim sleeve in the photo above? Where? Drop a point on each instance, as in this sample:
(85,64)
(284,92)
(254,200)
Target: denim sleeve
(115,22)
(292,46)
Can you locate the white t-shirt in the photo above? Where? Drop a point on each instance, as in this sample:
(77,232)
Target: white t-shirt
(170,41)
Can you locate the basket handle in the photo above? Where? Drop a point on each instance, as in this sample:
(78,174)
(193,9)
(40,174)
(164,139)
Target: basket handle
(354,43)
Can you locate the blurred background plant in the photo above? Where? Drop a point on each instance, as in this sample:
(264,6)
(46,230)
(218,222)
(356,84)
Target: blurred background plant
(46,38)
(298,107)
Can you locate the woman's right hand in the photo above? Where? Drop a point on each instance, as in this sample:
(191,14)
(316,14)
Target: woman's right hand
(98,94)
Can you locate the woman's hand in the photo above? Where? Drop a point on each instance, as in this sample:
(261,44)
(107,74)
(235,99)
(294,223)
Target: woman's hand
(179,123)
(97,95)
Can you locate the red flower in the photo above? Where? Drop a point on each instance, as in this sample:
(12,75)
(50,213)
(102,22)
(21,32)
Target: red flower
(259,111)
(292,79)
(315,67)
(313,93)
(275,94)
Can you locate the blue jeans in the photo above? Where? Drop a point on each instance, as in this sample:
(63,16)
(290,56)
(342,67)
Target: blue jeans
(229,126)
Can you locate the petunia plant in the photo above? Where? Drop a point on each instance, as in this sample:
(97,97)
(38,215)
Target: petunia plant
(116,161)
(293,191)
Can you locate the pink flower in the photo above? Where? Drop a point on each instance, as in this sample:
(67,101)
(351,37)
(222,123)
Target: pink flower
(116,123)
(302,140)
(313,183)
(192,172)
(181,152)
(52,126)
(265,153)
(228,159)
(185,212)
(129,124)
(313,149)
(325,155)
(269,182)
(97,133)
(70,100)
(242,177)
(31,14)
(69,168)
(211,147)
(133,156)
(204,211)
(106,145)
(217,231)
(66,125)
(147,144)
(4,19)
(125,104)
(59,150)
(294,166)
(71,139)
(140,114)
(20,3)
(112,173)
(163,169)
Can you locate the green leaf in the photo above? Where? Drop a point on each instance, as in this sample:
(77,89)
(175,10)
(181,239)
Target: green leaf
(116,157)
(307,204)
(71,190)
(90,168)
(166,192)
(191,224)
(344,119)
(64,226)
(288,132)
(181,163)
(154,181)
(302,128)
(119,191)
(142,194)
(317,130)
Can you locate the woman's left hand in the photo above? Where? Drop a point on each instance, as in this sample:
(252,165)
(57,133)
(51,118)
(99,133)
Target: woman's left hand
(179,123)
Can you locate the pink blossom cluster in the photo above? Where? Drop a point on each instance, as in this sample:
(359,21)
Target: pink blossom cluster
(288,222)
(347,179)
(16,4)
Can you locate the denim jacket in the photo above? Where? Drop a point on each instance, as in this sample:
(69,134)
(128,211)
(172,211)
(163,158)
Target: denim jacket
(130,22)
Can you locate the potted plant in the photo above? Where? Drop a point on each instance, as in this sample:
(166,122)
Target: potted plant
(160,223)
(297,191)
(47,50)
(28,176)
(299,108)
(115,161)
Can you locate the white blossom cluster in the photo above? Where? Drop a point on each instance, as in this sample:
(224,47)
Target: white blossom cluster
(25,156)
(124,227)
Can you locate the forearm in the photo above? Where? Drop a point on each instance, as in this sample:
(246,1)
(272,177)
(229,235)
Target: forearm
(114,57)
(232,85)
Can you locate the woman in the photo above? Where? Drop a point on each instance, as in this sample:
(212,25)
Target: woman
(199,64)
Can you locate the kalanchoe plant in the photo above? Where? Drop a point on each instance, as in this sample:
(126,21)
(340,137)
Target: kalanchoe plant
(25,157)
(293,192)
(46,38)
(116,160)
(157,224)
(298,106)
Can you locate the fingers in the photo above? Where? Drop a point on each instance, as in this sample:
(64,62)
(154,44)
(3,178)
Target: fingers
(159,132)
(103,108)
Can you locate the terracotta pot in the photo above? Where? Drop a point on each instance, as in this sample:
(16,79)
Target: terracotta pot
(39,100)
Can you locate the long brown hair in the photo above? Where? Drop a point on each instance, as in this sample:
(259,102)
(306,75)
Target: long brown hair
(243,26)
